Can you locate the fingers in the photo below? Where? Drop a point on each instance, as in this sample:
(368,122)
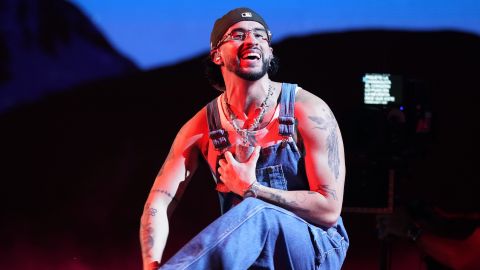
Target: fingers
(229,157)
(222,162)
(220,185)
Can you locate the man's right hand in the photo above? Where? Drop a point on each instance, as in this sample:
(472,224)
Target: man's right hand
(238,176)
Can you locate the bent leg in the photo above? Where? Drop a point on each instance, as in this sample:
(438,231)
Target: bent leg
(253,234)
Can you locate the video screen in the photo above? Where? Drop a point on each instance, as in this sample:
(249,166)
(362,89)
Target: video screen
(381,89)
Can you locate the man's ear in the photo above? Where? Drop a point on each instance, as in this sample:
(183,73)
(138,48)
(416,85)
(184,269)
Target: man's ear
(216,57)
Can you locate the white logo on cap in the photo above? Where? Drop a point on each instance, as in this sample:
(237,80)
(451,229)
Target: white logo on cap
(246,15)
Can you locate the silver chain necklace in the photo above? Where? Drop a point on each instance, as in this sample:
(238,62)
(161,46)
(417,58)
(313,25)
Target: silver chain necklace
(244,132)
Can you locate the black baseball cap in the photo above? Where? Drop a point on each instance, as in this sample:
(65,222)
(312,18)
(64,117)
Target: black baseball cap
(232,17)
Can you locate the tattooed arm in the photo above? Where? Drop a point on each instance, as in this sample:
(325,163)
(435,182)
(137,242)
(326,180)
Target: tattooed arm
(324,163)
(177,169)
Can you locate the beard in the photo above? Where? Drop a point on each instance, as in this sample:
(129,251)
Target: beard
(234,67)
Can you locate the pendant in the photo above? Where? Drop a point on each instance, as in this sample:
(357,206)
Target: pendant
(243,152)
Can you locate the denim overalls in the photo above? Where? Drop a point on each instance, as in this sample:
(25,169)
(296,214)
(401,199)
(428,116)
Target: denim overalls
(253,234)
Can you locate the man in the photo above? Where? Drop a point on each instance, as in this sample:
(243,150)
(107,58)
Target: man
(277,156)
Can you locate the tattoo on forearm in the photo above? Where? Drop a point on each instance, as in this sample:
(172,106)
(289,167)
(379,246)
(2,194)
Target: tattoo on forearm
(150,210)
(325,189)
(166,193)
(275,197)
(146,230)
(330,125)
(147,239)
(163,192)
(153,211)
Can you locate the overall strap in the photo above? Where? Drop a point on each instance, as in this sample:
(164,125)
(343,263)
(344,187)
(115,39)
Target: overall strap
(218,135)
(286,118)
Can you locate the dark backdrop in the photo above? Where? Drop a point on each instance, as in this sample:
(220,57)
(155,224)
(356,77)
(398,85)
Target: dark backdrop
(77,164)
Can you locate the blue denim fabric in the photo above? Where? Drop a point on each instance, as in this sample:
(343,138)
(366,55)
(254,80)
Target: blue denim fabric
(279,166)
(258,235)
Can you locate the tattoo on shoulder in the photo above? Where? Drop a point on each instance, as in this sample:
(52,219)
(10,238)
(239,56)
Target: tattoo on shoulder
(329,124)
(325,189)
(319,121)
